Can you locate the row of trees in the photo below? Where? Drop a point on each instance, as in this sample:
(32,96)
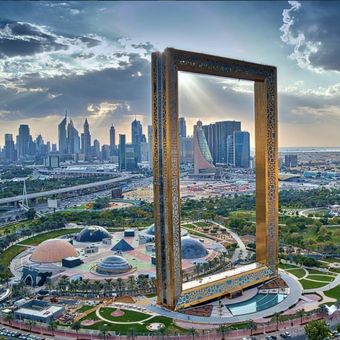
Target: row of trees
(107,287)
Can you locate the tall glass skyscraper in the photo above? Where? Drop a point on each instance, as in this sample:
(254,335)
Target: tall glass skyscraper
(136,137)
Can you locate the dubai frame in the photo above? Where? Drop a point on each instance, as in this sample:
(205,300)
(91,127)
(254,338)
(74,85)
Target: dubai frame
(171,291)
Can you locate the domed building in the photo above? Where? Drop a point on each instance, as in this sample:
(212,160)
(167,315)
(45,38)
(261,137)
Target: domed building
(192,248)
(93,234)
(148,235)
(53,250)
(112,265)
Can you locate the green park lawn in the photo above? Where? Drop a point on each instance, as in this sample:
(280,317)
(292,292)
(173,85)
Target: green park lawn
(129,315)
(8,255)
(35,240)
(306,284)
(318,272)
(139,328)
(288,266)
(325,278)
(84,308)
(298,272)
(333,293)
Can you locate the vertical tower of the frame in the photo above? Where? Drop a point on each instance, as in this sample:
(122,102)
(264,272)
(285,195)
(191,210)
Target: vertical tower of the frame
(266,156)
(166,179)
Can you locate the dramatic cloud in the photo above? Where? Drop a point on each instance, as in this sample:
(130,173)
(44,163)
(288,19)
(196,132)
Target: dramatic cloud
(313,30)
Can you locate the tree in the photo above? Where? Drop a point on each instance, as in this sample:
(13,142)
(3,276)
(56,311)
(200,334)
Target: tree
(317,330)
(9,318)
(30,214)
(103,331)
(221,330)
(131,333)
(52,326)
(252,326)
(76,326)
(301,313)
(31,324)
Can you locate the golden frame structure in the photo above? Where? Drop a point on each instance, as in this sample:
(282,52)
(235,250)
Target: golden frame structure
(166,172)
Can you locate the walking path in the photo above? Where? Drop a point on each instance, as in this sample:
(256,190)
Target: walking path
(333,284)
(291,299)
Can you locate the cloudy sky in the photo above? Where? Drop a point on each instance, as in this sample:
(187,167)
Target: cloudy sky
(93,60)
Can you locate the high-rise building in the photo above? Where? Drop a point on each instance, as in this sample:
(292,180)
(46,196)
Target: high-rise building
(238,149)
(62,136)
(291,160)
(9,148)
(203,161)
(96,148)
(216,135)
(112,141)
(122,152)
(73,140)
(24,140)
(186,150)
(242,149)
(182,127)
(136,137)
(145,152)
(54,148)
(105,154)
(150,144)
(86,141)
(131,159)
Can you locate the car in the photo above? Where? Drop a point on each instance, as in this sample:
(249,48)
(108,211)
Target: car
(285,335)
(271,337)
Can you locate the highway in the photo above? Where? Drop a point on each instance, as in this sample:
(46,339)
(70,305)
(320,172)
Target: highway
(65,190)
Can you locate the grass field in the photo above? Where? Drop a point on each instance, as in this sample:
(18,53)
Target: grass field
(318,272)
(333,293)
(325,278)
(129,315)
(35,240)
(84,308)
(138,328)
(288,266)
(8,255)
(306,284)
(298,272)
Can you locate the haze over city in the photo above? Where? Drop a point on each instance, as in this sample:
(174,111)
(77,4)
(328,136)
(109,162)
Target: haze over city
(93,60)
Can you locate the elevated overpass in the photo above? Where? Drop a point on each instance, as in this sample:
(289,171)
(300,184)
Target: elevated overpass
(95,186)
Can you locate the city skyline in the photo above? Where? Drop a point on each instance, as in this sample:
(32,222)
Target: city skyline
(98,66)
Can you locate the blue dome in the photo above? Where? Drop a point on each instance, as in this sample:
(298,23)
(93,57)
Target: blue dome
(93,234)
(192,248)
(113,265)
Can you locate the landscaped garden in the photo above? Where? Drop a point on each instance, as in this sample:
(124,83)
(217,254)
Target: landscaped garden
(126,315)
(333,293)
(307,284)
(298,272)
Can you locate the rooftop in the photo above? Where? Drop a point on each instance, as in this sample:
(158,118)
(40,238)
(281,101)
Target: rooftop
(220,276)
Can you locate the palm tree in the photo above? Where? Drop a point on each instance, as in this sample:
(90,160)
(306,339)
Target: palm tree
(103,331)
(276,317)
(120,285)
(301,313)
(222,329)
(31,324)
(252,326)
(323,310)
(9,317)
(131,333)
(52,325)
(131,283)
(76,326)
(193,333)
(107,286)
(198,268)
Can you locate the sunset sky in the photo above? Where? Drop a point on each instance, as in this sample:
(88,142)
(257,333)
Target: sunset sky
(93,60)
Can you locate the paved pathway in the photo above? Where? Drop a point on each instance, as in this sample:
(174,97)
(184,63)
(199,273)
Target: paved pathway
(291,299)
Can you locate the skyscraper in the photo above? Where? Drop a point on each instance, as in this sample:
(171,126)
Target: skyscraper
(121,152)
(96,148)
(130,157)
(136,137)
(150,144)
(112,141)
(73,140)
(203,161)
(24,139)
(238,149)
(86,140)
(9,148)
(216,135)
(62,139)
(182,127)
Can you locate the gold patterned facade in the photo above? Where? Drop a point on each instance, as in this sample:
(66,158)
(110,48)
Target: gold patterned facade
(166,164)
